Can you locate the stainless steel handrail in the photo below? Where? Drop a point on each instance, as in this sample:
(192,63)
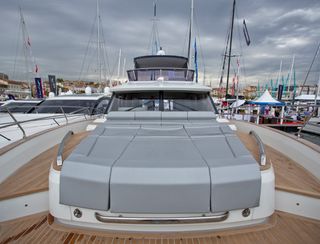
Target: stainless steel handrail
(263,157)
(161,220)
(61,147)
(17,123)
(8,139)
(64,115)
(38,119)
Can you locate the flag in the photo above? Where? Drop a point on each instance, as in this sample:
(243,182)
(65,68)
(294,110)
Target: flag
(36,68)
(39,88)
(53,84)
(154,9)
(196,59)
(28,41)
(246,33)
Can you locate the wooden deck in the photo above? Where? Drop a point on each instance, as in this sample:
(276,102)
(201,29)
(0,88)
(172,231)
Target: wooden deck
(290,176)
(284,228)
(33,177)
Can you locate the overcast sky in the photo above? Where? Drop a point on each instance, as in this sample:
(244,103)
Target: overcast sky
(59,31)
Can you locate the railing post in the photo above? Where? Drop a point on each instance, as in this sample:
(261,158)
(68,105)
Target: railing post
(17,123)
(64,115)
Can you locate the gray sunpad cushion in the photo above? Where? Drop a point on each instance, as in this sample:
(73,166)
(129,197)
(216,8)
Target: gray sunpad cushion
(171,165)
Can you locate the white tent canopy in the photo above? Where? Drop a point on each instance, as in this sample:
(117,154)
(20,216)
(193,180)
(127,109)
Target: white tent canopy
(266,99)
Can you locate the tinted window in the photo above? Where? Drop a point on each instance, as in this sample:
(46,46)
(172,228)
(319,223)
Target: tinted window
(68,106)
(161,101)
(178,101)
(148,101)
(102,106)
(17,107)
(163,74)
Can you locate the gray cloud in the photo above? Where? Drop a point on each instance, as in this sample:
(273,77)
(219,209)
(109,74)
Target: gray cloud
(60,30)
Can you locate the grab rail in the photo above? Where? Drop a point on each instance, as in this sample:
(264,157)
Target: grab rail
(263,157)
(61,147)
(65,116)
(161,220)
(17,123)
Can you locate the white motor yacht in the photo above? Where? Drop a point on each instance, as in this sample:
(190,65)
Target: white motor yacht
(20,119)
(164,167)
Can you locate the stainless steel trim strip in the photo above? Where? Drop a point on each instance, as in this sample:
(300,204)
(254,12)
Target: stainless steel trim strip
(161,220)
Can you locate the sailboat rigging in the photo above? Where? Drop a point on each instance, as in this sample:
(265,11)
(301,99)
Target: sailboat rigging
(98,46)
(230,46)
(31,67)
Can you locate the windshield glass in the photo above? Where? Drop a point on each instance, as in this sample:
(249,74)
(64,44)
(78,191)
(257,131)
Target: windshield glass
(161,101)
(161,74)
(173,101)
(17,107)
(68,106)
(147,101)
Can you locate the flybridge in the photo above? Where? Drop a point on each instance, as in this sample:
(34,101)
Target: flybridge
(161,68)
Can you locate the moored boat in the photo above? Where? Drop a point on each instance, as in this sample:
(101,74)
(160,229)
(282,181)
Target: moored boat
(171,169)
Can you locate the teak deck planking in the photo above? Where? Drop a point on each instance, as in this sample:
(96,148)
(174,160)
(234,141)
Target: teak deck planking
(284,228)
(289,175)
(33,177)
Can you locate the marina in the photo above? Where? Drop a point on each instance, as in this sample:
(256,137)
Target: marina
(164,152)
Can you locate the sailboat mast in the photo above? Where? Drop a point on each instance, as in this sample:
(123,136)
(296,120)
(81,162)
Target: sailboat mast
(238,79)
(124,68)
(224,62)
(190,34)
(98,41)
(119,64)
(290,75)
(230,46)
